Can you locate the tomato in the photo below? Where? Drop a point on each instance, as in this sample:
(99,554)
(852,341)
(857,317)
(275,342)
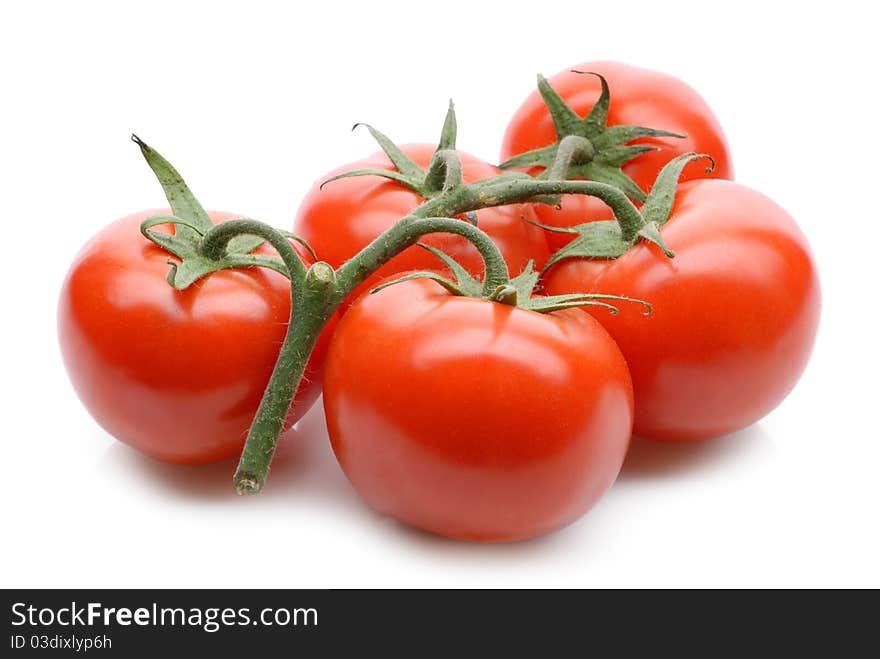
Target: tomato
(638,97)
(348,214)
(472,419)
(177,375)
(734,316)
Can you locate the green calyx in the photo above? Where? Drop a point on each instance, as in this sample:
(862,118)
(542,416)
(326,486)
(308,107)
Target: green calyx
(191,224)
(601,150)
(442,175)
(609,240)
(517,292)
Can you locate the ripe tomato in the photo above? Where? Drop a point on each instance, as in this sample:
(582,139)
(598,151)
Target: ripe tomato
(473,419)
(734,313)
(638,97)
(348,214)
(177,375)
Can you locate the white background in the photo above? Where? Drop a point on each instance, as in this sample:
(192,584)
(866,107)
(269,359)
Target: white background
(252,101)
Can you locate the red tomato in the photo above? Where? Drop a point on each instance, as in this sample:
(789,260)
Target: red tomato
(735,312)
(638,97)
(472,419)
(348,214)
(177,375)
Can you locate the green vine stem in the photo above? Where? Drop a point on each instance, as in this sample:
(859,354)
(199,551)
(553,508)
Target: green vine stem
(309,293)
(518,190)
(310,309)
(572,150)
(215,241)
(406,233)
(444,172)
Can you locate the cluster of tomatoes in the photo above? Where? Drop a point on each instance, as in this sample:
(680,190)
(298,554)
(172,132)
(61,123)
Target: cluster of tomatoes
(465,417)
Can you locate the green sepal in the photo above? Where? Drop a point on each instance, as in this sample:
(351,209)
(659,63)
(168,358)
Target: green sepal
(651,233)
(407,172)
(302,241)
(610,144)
(384,173)
(518,292)
(177,243)
(605,239)
(199,270)
(192,268)
(184,247)
(449,134)
(443,173)
(398,158)
(565,119)
(616,135)
(658,204)
(595,240)
(526,281)
(602,173)
(542,157)
(575,300)
(597,120)
(194,264)
(445,282)
(182,275)
(462,282)
(191,222)
(465,280)
(183,203)
(617,156)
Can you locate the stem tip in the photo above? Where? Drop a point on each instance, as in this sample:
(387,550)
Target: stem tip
(247,483)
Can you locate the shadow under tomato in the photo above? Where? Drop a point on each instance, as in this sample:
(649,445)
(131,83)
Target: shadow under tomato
(303,468)
(651,459)
(211,481)
(465,549)
(646,460)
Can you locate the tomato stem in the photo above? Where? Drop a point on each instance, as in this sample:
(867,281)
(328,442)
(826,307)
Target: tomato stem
(444,172)
(213,244)
(503,191)
(407,232)
(572,150)
(311,305)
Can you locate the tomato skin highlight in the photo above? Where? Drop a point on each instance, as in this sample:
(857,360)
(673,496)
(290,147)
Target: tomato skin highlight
(638,97)
(177,375)
(735,313)
(475,420)
(348,214)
